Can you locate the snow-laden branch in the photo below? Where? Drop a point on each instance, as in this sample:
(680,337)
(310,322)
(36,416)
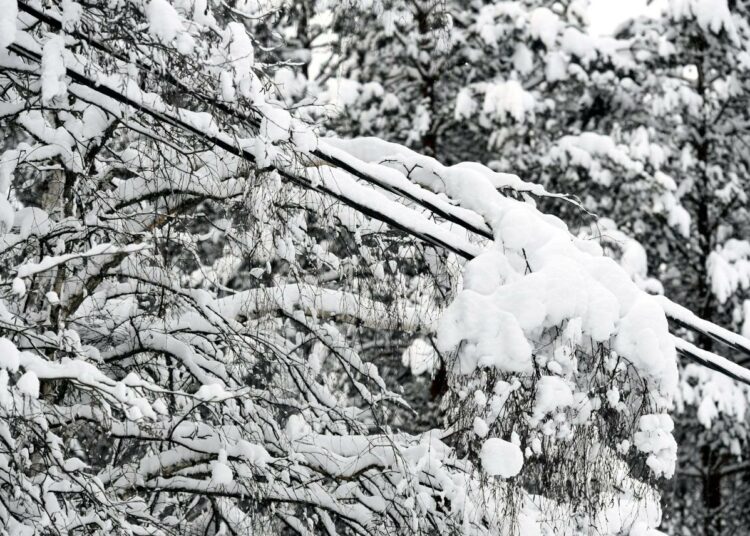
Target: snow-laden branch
(399,314)
(48,263)
(425,171)
(339,186)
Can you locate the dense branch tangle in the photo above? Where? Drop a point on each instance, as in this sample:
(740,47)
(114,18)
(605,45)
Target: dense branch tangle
(134,335)
(419,197)
(341,160)
(180,338)
(172,296)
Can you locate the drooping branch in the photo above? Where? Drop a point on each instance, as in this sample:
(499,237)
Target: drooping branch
(352,195)
(334,182)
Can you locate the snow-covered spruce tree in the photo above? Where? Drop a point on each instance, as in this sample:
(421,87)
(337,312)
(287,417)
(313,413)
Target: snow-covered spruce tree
(699,99)
(195,288)
(466,79)
(666,159)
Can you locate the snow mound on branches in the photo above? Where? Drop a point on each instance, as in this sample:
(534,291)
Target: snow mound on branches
(535,277)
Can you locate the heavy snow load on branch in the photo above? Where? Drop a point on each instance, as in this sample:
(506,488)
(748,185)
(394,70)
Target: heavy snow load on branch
(206,306)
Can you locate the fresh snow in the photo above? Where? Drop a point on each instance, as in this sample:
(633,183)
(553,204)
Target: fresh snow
(8,14)
(501,458)
(28,384)
(53,69)
(219,294)
(163,20)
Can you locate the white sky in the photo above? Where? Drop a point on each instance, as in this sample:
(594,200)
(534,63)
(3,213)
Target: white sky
(606,15)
